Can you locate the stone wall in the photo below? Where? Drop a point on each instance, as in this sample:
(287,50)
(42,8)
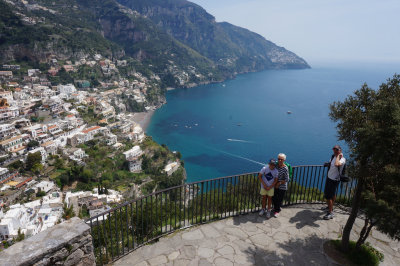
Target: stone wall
(68,243)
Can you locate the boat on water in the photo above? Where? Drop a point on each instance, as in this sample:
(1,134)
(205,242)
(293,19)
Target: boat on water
(289,112)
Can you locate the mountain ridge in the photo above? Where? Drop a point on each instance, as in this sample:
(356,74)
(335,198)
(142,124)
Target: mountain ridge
(222,42)
(175,39)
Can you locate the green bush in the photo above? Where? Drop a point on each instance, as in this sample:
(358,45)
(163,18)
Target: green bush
(40,194)
(366,255)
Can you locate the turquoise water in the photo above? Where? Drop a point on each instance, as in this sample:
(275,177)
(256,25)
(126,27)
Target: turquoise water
(236,126)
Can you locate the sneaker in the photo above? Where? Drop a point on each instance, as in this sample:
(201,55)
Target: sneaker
(268,214)
(326,208)
(276,214)
(328,216)
(262,212)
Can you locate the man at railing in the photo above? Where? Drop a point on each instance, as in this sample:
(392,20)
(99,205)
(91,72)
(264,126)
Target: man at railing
(333,179)
(268,177)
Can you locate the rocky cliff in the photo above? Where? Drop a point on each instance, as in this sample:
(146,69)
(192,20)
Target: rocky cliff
(227,45)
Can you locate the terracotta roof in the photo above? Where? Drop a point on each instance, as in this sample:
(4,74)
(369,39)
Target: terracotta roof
(47,143)
(19,149)
(10,139)
(90,129)
(24,182)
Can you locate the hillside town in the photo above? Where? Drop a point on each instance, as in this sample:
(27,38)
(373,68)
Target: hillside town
(64,146)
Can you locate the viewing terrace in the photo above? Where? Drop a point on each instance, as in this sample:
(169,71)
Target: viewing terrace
(216,222)
(211,222)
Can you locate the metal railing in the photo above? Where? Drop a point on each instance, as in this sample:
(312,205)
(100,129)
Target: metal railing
(135,223)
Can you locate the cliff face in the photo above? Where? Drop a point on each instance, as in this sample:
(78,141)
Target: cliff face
(227,45)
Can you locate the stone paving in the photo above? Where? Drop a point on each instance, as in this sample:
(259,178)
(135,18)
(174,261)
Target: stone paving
(294,238)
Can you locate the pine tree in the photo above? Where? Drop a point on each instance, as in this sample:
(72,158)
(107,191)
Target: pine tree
(369,122)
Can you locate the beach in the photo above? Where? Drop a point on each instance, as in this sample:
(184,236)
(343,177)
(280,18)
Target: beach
(143,119)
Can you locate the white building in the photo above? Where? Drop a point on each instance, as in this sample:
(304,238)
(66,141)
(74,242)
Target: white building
(6,130)
(111,139)
(33,72)
(15,218)
(3,173)
(79,154)
(171,168)
(13,144)
(66,89)
(7,112)
(138,133)
(45,186)
(135,166)
(90,132)
(133,153)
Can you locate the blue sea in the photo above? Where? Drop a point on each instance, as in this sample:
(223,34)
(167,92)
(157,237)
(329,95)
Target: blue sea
(234,127)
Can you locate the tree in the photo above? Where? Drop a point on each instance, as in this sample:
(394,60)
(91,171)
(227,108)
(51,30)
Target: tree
(33,143)
(106,184)
(17,165)
(369,122)
(59,163)
(40,194)
(32,160)
(21,236)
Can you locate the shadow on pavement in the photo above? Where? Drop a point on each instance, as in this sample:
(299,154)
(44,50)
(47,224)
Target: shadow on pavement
(299,251)
(245,218)
(306,217)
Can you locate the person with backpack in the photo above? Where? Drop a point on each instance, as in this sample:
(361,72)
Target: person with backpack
(282,185)
(335,168)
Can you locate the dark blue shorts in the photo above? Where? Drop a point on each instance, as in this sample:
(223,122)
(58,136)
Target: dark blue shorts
(330,188)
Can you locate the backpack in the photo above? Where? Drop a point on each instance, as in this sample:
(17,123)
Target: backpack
(344,166)
(290,169)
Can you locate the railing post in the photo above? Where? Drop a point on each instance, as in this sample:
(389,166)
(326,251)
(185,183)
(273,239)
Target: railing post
(201,203)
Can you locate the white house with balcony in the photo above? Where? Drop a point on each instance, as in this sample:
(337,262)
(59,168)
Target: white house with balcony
(134,153)
(8,112)
(111,139)
(135,166)
(13,144)
(132,156)
(6,130)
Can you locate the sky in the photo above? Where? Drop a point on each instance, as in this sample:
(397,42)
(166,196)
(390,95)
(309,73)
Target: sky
(320,30)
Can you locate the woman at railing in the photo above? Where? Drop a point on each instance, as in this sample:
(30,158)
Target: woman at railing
(282,184)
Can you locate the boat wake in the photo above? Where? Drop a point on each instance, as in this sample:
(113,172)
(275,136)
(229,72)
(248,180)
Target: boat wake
(240,140)
(235,155)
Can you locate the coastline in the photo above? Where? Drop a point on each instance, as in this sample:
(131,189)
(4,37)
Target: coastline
(143,119)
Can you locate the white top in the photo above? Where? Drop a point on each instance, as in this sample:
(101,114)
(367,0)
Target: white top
(333,172)
(268,175)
